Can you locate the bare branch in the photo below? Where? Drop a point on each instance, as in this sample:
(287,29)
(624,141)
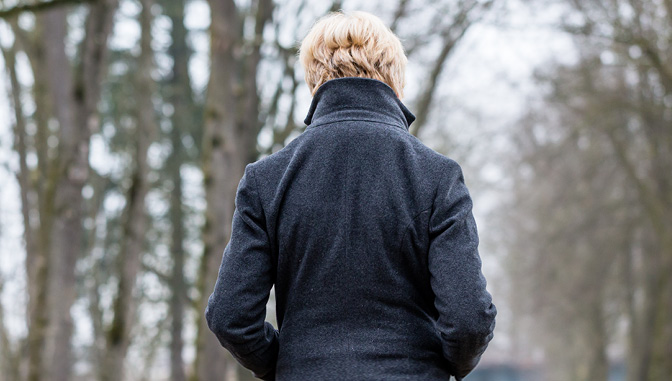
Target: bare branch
(336,6)
(399,14)
(451,36)
(163,276)
(38,7)
(646,195)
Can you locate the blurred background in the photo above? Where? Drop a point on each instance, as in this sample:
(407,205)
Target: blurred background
(125,126)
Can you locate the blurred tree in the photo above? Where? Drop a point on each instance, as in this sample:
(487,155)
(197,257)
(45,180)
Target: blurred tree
(8,354)
(592,245)
(10,361)
(65,116)
(450,30)
(636,37)
(185,119)
(15,10)
(134,218)
(229,143)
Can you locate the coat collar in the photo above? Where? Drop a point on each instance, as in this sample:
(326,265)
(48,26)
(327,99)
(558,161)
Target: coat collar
(354,98)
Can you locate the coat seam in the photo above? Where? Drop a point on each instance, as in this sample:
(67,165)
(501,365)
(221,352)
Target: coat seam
(436,193)
(261,205)
(405,231)
(347,193)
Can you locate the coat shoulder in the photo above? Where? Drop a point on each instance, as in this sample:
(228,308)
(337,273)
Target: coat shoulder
(435,163)
(439,163)
(276,160)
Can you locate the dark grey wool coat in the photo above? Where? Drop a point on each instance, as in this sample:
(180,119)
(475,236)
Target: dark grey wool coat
(369,239)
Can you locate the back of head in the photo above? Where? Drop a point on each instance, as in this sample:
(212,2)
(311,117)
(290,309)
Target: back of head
(355,44)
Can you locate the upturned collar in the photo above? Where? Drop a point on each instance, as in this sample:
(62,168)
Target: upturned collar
(355,98)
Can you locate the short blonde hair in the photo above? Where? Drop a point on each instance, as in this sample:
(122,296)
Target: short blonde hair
(355,44)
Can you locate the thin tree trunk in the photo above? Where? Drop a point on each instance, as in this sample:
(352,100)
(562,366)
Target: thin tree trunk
(598,364)
(23,176)
(27,191)
(660,367)
(62,219)
(219,153)
(74,98)
(183,108)
(135,217)
(182,101)
(36,262)
(632,283)
(646,340)
(8,357)
(177,283)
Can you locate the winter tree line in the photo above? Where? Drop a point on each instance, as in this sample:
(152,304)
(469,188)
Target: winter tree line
(127,169)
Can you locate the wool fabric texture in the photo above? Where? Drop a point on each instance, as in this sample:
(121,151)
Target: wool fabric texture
(368,236)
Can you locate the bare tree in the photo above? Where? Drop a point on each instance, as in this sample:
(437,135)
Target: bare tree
(184,115)
(466,14)
(66,98)
(134,217)
(606,254)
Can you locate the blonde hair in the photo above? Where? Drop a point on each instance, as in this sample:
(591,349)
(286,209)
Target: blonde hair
(356,44)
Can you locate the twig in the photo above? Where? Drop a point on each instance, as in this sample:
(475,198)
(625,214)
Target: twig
(37,7)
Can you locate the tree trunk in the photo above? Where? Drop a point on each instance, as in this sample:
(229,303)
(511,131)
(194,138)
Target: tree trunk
(8,356)
(135,218)
(37,242)
(183,108)
(75,103)
(598,364)
(229,143)
(66,182)
(34,256)
(177,284)
(219,154)
(661,345)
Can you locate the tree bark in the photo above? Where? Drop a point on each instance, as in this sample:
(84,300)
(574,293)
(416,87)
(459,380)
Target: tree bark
(65,200)
(177,283)
(183,109)
(8,356)
(34,257)
(73,98)
(135,217)
(229,143)
(219,154)
(36,261)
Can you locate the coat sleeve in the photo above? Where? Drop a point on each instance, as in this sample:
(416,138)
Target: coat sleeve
(466,314)
(236,310)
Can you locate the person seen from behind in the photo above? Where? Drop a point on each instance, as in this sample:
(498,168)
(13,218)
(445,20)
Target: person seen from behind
(366,234)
